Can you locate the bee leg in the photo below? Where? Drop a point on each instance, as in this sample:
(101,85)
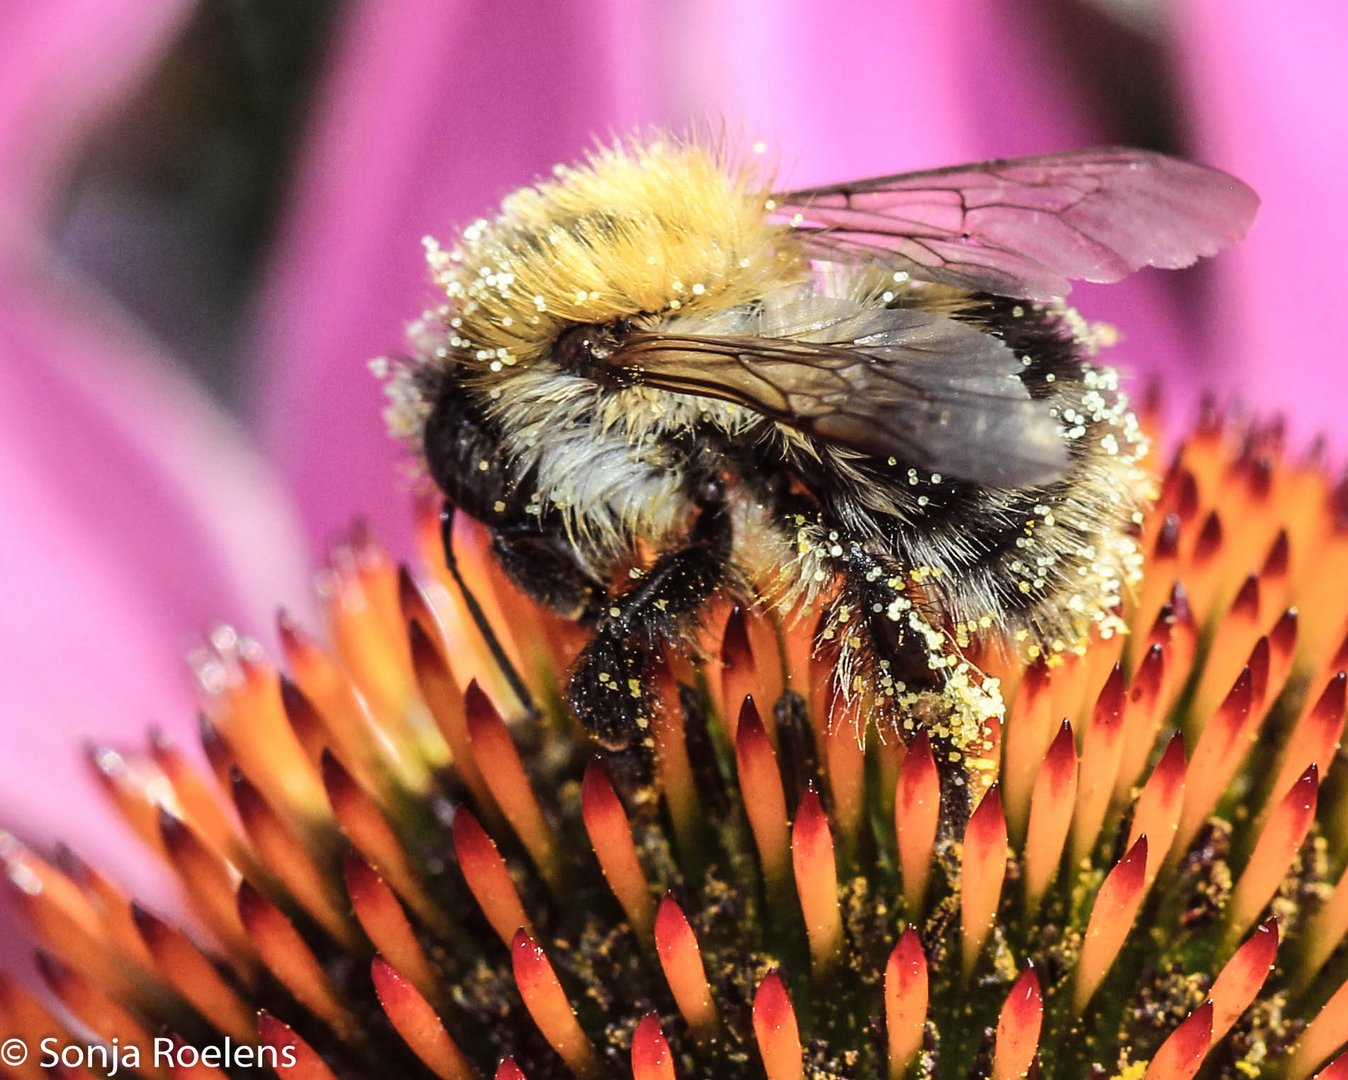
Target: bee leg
(904,655)
(542,564)
(869,588)
(609,687)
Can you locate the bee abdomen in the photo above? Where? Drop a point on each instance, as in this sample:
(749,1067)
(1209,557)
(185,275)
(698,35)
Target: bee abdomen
(469,461)
(1050,559)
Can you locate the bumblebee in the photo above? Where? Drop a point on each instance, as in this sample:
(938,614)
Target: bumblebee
(655,380)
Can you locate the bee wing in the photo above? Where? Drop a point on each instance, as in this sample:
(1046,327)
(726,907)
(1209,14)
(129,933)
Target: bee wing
(1023,227)
(926,390)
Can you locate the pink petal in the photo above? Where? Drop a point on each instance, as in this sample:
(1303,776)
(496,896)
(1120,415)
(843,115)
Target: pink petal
(135,517)
(1266,86)
(861,88)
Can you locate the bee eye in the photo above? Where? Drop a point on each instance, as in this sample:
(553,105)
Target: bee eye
(575,348)
(585,347)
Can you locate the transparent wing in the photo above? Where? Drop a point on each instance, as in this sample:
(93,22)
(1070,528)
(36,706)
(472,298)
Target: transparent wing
(923,389)
(1024,227)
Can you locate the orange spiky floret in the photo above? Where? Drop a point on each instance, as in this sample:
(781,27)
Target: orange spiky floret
(413,874)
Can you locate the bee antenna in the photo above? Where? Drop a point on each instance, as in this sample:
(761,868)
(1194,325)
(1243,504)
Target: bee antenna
(479,616)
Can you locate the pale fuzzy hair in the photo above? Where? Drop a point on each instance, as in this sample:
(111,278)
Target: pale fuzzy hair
(652,228)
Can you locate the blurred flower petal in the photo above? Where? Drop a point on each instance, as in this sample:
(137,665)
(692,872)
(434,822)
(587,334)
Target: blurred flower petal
(135,514)
(65,62)
(1265,86)
(135,517)
(863,88)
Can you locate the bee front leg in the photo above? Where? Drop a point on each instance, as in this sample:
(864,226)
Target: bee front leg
(609,688)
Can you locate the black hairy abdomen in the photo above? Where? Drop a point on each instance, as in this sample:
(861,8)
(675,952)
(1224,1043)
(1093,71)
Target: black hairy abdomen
(467,457)
(969,517)
(975,528)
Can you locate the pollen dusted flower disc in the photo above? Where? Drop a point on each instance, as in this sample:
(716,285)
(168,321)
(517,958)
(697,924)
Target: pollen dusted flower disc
(393,870)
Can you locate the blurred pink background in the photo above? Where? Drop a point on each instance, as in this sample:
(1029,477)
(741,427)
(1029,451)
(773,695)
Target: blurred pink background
(137,506)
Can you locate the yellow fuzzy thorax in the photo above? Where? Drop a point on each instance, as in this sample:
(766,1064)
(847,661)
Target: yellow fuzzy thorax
(634,230)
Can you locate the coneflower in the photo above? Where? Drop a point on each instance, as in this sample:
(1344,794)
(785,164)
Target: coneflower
(394,869)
